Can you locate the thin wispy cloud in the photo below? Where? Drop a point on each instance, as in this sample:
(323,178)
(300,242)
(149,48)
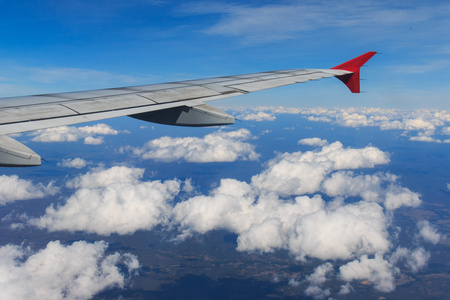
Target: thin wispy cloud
(288,20)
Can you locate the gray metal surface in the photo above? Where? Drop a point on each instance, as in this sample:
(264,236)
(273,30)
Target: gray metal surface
(19,114)
(14,153)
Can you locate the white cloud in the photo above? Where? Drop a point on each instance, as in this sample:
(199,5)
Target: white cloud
(74,134)
(346,289)
(377,270)
(400,196)
(99,129)
(220,146)
(12,188)
(424,138)
(419,259)
(258,117)
(93,141)
(293,282)
(419,125)
(414,260)
(77,163)
(446,130)
(379,188)
(112,201)
(428,232)
(305,226)
(302,173)
(317,279)
(77,271)
(317,292)
(98,178)
(353,120)
(313,142)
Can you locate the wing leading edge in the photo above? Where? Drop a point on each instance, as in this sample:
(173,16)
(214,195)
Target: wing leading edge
(176,103)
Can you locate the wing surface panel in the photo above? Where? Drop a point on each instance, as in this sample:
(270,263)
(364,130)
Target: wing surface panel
(108,103)
(34,112)
(179,94)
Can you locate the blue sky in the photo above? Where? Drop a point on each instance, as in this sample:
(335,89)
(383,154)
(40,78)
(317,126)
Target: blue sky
(50,46)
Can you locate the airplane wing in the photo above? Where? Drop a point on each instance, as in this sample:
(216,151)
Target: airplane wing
(176,103)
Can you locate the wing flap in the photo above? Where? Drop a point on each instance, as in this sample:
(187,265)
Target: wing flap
(179,94)
(259,85)
(28,100)
(33,112)
(107,104)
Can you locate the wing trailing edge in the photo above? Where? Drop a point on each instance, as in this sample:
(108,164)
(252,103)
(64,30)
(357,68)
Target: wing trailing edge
(352,80)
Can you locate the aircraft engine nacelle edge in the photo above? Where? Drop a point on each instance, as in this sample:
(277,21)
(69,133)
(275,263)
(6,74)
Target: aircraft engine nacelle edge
(196,116)
(16,154)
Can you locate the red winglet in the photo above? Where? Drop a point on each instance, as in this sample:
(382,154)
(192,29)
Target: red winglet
(354,65)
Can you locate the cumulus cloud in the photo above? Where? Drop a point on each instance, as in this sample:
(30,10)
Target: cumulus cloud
(12,188)
(305,226)
(428,232)
(73,134)
(111,201)
(313,142)
(302,173)
(346,289)
(77,271)
(379,187)
(257,116)
(317,279)
(414,260)
(376,270)
(98,178)
(220,146)
(77,163)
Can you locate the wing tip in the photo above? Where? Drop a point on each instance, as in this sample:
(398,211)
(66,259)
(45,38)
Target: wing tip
(352,81)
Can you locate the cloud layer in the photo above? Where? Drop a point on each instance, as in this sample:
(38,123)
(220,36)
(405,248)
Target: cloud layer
(281,208)
(421,125)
